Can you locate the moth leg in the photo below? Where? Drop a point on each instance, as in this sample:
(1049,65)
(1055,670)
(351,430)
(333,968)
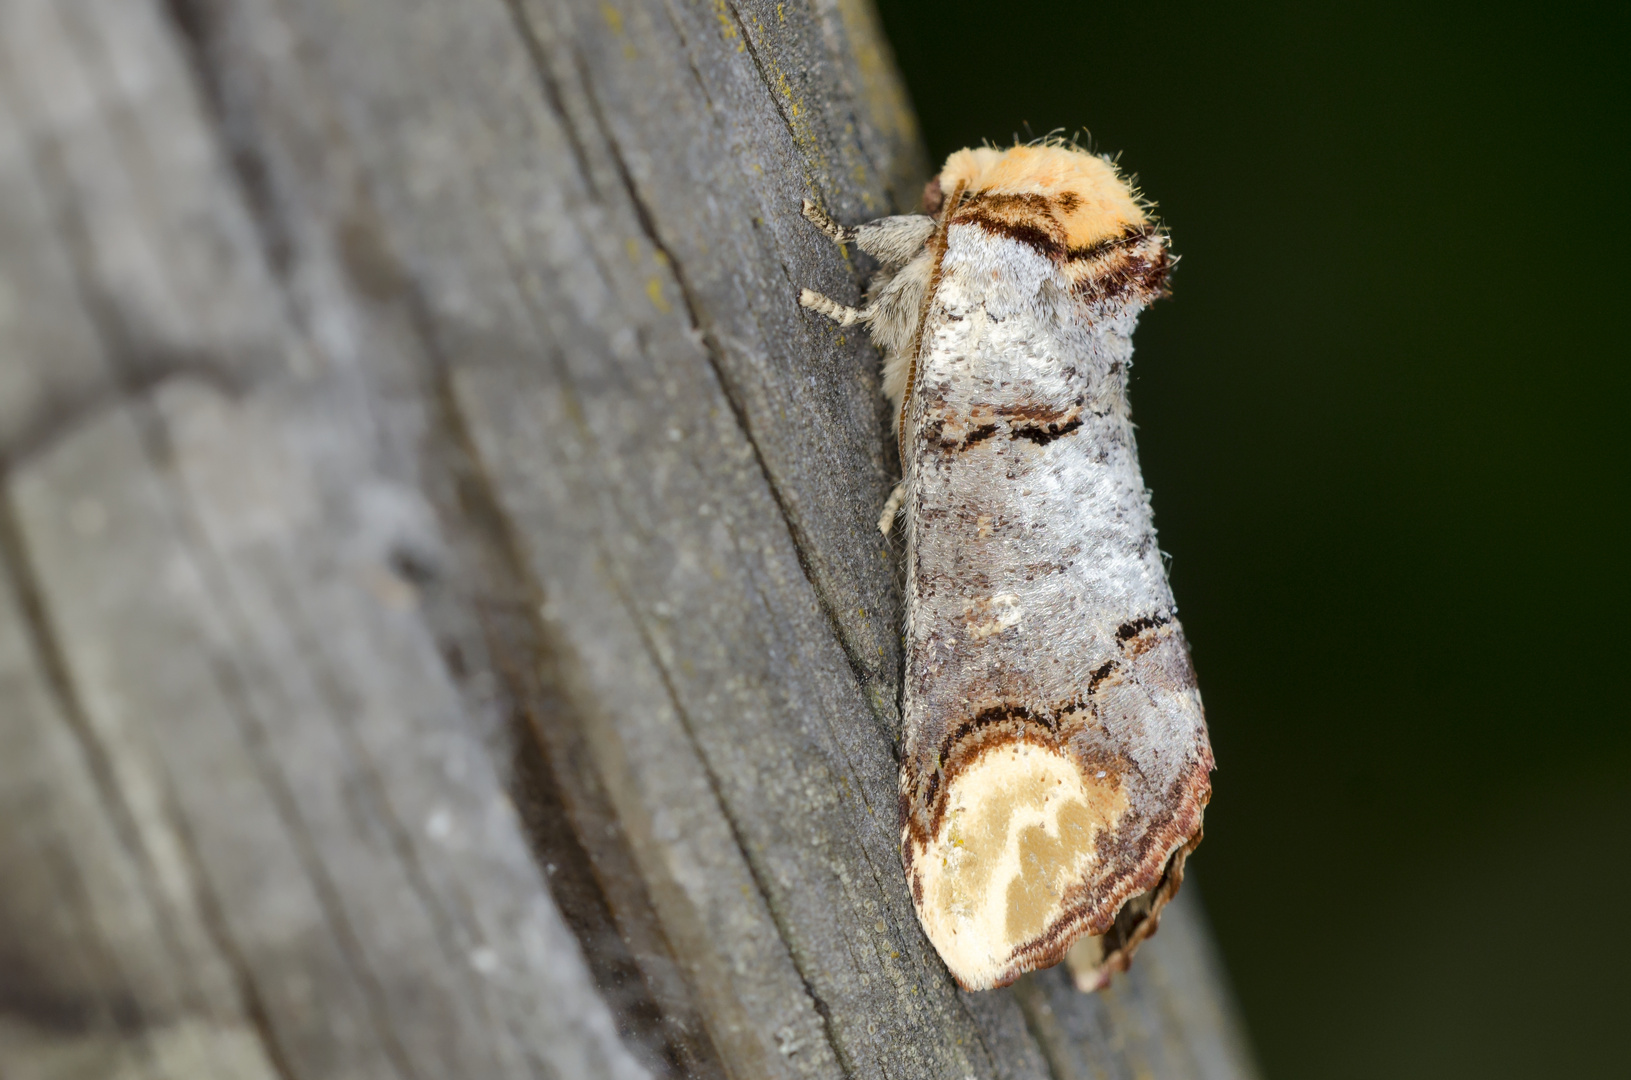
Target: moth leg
(823,221)
(891,507)
(838,313)
(893,241)
(1086,963)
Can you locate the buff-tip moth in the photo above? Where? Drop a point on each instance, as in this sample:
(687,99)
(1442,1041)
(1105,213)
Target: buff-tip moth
(1055,766)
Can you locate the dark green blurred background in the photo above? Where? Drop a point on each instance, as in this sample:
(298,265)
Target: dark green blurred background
(1384,418)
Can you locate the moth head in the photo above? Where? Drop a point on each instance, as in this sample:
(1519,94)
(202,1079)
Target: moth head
(1089,196)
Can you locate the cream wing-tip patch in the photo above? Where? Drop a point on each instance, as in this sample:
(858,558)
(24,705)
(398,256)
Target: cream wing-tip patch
(1018,834)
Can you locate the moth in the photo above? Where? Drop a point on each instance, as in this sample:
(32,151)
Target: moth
(1055,765)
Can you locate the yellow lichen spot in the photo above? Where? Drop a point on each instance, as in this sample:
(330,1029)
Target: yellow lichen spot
(633,248)
(654,289)
(727,28)
(614,19)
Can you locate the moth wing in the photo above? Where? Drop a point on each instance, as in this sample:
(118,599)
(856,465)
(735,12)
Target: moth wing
(1057,762)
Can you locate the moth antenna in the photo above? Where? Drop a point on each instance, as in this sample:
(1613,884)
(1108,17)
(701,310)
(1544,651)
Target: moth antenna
(823,221)
(838,313)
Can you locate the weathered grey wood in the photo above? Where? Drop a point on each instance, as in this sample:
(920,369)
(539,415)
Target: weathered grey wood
(444,631)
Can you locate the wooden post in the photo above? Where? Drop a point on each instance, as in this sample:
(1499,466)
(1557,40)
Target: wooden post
(443,632)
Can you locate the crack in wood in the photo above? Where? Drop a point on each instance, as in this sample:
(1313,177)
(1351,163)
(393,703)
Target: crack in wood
(64,416)
(713,352)
(590,873)
(47,648)
(243,972)
(750,858)
(552,93)
(197,24)
(329,897)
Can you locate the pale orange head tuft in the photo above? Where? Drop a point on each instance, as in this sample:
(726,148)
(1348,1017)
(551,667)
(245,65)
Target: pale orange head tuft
(1092,201)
